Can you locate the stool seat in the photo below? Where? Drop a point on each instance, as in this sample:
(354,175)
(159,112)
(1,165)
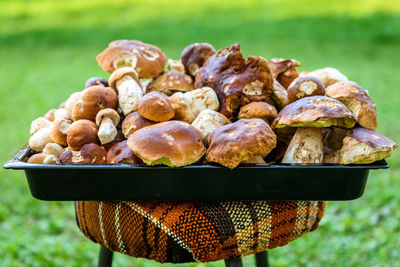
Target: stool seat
(195,231)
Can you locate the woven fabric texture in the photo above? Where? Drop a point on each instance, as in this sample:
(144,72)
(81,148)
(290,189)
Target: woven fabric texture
(202,231)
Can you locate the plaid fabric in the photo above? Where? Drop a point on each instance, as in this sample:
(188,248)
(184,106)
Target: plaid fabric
(202,231)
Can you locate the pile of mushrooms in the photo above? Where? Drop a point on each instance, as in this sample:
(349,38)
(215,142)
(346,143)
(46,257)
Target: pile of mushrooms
(209,106)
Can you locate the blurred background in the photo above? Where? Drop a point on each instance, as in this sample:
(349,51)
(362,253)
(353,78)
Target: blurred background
(48,50)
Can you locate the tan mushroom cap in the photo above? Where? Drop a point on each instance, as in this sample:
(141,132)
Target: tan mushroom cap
(89,154)
(134,122)
(171,81)
(82,132)
(315,111)
(195,55)
(148,60)
(328,76)
(42,158)
(155,106)
(259,110)
(305,86)
(92,100)
(357,100)
(182,109)
(109,113)
(118,74)
(171,143)
(236,142)
(59,131)
(120,153)
(363,146)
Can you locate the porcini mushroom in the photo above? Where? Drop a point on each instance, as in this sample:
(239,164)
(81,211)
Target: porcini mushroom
(70,103)
(259,110)
(120,153)
(171,143)
(195,55)
(134,122)
(41,158)
(182,109)
(40,139)
(328,76)
(126,82)
(38,124)
(240,141)
(88,154)
(59,130)
(357,99)
(176,65)
(96,81)
(309,115)
(207,121)
(81,132)
(284,70)
(155,106)
(305,86)
(279,95)
(171,81)
(53,149)
(107,120)
(201,99)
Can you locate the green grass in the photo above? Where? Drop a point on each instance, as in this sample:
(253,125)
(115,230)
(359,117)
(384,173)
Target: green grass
(48,49)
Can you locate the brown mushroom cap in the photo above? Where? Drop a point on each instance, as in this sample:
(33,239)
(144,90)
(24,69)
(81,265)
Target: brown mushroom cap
(42,158)
(120,153)
(171,81)
(120,73)
(134,122)
(171,143)
(155,106)
(92,100)
(148,60)
(279,95)
(89,154)
(59,130)
(235,79)
(110,113)
(182,109)
(363,146)
(81,132)
(357,100)
(328,76)
(284,70)
(259,110)
(315,111)
(239,141)
(195,55)
(305,86)
(176,65)
(96,81)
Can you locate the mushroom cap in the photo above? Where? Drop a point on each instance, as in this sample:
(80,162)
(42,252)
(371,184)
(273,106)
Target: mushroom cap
(315,111)
(328,76)
(38,124)
(89,154)
(96,81)
(195,55)
(357,100)
(239,141)
(42,158)
(261,110)
(92,100)
(70,103)
(279,95)
(82,132)
(155,106)
(110,113)
(50,114)
(148,60)
(59,130)
(305,86)
(284,70)
(235,79)
(171,143)
(120,153)
(176,65)
(134,122)
(208,120)
(118,74)
(363,146)
(170,82)
(182,109)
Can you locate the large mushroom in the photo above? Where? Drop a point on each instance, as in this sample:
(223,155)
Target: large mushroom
(147,60)
(171,143)
(309,115)
(82,132)
(240,141)
(328,76)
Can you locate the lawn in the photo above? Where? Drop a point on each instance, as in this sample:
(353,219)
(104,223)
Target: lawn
(48,49)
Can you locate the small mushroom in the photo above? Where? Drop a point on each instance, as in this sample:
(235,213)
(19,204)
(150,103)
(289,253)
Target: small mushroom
(207,121)
(156,107)
(182,109)
(92,100)
(126,82)
(279,95)
(70,103)
(96,81)
(305,86)
(120,153)
(284,70)
(59,130)
(107,120)
(171,143)
(259,110)
(240,141)
(195,55)
(42,158)
(50,115)
(171,81)
(328,76)
(176,65)
(81,132)
(38,124)
(134,122)
(357,99)
(40,139)
(60,114)
(88,154)
(53,149)
(201,99)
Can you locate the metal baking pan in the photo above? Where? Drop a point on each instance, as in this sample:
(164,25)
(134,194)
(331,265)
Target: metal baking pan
(195,182)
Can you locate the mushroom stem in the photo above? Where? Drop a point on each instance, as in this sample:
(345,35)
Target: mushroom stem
(129,94)
(306,146)
(107,130)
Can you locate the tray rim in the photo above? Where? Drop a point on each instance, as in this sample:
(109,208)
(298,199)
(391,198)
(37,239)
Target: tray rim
(16,163)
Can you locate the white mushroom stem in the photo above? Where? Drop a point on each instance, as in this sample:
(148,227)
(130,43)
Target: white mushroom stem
(51,159)
(53,149)
(306,146)
(207,121)
(107,130)
(40,139)
(38,124)
(129,94)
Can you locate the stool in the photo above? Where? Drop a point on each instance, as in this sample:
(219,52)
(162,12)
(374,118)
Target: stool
(195,231)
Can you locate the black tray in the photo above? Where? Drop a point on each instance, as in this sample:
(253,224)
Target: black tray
(197,182)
